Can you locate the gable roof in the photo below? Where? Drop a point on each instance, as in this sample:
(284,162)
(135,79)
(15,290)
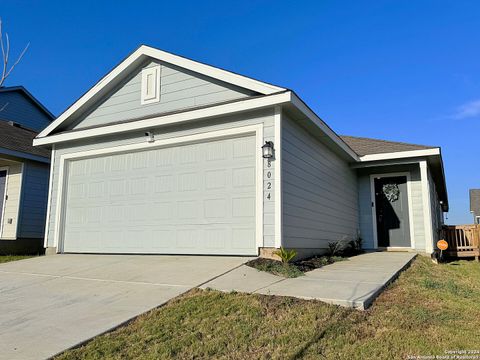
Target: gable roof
(367,146)
(18,141)
(109,81)
(29,96)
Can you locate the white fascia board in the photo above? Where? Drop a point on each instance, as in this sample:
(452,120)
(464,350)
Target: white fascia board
(219,110)
(211,71)
(300,105)
(145,51)
(400,155)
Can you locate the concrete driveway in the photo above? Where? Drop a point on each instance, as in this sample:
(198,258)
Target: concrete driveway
(51,303)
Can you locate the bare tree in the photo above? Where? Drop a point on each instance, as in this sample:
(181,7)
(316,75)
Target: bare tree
(5,46)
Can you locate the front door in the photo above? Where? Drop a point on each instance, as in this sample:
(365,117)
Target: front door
(391,204)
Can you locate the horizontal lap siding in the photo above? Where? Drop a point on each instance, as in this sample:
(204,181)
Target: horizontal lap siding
(319,192)
(179,89)
(34,200)
(264,117)
(17,108)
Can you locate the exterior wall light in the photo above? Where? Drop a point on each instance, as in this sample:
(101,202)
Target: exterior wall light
(267,150)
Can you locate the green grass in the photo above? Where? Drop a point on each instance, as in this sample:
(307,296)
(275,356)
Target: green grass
(429,309)
(7,258)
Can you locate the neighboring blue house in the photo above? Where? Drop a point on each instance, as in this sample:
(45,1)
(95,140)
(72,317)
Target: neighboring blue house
(24,172)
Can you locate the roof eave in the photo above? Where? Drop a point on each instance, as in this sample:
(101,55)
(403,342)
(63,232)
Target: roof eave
(433,154)
(248,104)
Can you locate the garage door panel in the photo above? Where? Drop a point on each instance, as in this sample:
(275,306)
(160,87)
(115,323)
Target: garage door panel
(191,199)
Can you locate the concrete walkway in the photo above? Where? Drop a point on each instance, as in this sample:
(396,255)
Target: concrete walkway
(51,303)
(353,283)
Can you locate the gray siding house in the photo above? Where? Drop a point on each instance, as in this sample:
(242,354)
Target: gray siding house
(24,172)
(475,205)
(165,155)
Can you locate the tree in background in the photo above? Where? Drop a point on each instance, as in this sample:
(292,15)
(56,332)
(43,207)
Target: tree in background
(6,70)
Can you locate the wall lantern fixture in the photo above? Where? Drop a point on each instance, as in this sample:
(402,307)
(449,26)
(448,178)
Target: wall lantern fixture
(267,150)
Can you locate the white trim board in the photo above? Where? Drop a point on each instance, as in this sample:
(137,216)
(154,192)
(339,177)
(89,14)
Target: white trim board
(224,109)
(247,104)
(427,207)
(139,56)
(400,154)
(213,135)
(301,106)
(374,207)
(278,175)
(2,217)
(49,201)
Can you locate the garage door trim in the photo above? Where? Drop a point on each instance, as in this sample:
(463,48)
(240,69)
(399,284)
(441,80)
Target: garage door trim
(257,130)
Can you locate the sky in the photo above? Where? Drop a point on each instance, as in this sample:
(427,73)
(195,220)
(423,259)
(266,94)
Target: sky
(396,70)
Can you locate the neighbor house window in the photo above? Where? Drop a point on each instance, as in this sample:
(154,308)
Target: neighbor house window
(151,85)
(477,219)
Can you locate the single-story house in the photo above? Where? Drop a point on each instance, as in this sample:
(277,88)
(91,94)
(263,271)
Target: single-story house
(165,155)
(475,205)
(24,172)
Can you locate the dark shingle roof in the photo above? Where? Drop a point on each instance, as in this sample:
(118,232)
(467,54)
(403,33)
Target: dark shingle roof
(365,146)
(17,138)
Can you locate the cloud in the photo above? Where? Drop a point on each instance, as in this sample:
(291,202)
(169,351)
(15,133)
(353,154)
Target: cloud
(468,110)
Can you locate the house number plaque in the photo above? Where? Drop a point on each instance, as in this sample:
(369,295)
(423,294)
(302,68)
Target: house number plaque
(268,181)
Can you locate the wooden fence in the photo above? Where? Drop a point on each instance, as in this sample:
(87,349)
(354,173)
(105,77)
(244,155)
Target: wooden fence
(463,240)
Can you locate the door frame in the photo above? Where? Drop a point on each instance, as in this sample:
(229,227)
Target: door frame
(409,203)
(2,217)
(256,130)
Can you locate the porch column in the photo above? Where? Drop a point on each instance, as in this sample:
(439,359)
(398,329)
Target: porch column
(427,207)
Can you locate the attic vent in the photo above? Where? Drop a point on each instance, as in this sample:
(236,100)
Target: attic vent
(151,85)
(12,123)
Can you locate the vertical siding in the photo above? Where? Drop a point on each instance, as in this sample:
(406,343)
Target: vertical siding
(180,89)
(34,200)
(22,110)
(264,117)
(365,202)
(319,192)
(14,185)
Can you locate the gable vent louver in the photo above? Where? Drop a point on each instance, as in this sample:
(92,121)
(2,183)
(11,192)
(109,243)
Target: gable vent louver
(150,85)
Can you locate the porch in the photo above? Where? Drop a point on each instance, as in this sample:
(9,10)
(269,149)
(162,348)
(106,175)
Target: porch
(463,240)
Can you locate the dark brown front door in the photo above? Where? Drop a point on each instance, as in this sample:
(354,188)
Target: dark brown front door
(391,204)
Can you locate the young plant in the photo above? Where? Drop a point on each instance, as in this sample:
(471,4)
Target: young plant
(285,255)
(334,248)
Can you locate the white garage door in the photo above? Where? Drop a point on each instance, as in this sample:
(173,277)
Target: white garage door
(190,199)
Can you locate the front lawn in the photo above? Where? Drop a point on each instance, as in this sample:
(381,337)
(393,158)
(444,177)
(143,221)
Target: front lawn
(7,258)
(430,309)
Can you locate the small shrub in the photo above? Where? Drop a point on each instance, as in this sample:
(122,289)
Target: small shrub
(354,247)
(275,267)
(285,255)
(334,248)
